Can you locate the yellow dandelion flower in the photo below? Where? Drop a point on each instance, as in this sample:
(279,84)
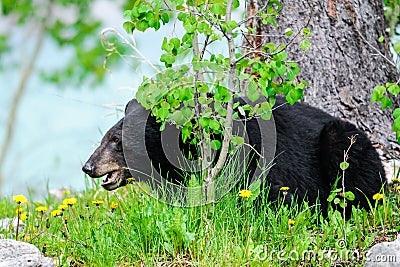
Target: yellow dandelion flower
(377,196)
(56,213)
(291,222)
(18,210)
(41,209)
(21,235)
(130,179)
(69,201)
(245,193)
(62,207)
(23,216)
(395,181)
(67,192)
(97,202)
(398,188)
(284,188)
(114,205)
(20,199)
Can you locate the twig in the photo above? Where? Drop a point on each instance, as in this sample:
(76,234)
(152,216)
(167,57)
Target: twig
(345,159)
(232,85)
(376,49)
(132,45)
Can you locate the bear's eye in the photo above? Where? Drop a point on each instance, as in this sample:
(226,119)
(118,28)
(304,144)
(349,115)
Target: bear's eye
(115,139)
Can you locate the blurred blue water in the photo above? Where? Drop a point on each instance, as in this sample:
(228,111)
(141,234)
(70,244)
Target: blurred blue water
(57,129)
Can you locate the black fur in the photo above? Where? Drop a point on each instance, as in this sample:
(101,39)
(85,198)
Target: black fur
(310,147)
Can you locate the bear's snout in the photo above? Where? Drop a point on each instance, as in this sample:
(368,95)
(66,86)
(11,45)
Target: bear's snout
(88,168)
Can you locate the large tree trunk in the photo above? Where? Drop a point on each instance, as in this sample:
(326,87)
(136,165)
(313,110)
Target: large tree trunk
(345,61)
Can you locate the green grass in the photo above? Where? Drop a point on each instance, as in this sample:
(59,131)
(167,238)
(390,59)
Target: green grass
(142,231)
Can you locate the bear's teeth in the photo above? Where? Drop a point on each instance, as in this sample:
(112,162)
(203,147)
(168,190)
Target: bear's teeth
(107,177)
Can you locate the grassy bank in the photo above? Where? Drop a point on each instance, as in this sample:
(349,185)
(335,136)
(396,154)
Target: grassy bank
(128,228)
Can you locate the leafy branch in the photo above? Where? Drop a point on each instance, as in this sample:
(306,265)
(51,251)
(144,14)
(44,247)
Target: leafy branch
(199,96)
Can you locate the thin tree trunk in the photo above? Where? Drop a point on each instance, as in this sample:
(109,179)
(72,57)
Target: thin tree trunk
(345,61)
(16,100)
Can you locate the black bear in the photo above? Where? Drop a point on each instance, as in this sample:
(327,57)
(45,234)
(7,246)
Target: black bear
(310,145)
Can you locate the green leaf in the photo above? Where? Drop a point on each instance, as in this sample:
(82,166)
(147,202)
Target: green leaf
(396,113)
(253,94)
(282,56)
(175,42)
(396,47)
(265,110)
(270,47)
(294,67)
(142,25)
(128,26)
(204,122)
(375,96)
(165,17)
(307,32)
(202,87)
(215,144)
(381,90)
(349,196)
(282,70)
(288,32)
(218,9)
(187,113)
(232,24)
(214,125)
(162,127)
(381,39)
(237,140)
(394,89)
(290,76)
(331,197)
(165,45)
(203,100)
(270,20)
(294,95)
(396,124)
(178,117)
(162,113)
(222,94)
(336,201)
(189,27)
(305,44)
(167,59)
(386,102)
(344,165)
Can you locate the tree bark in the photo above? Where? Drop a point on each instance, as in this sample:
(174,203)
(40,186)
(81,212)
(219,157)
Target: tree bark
(345,61)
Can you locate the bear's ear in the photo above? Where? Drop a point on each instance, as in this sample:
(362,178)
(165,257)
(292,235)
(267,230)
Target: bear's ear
(131,102)
(126,107)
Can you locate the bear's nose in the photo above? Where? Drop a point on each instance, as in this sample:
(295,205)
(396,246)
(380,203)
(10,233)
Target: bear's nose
(88,168)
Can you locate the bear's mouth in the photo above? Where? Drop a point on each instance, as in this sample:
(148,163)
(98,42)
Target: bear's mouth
(113,180)
(117,178)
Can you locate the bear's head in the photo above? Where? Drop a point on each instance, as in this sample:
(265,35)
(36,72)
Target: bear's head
(108,159)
